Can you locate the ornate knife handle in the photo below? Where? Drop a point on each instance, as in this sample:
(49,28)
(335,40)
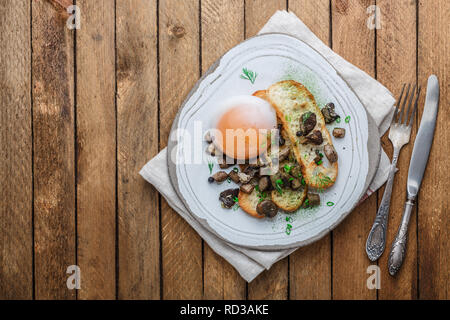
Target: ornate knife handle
(398,249)
(376,241)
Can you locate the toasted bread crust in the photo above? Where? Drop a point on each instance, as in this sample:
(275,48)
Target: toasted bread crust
(316,176)
(248,203)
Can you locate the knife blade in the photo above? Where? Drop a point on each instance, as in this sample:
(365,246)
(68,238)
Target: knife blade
(424,138)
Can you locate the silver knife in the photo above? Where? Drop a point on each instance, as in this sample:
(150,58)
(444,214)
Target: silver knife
(417,166)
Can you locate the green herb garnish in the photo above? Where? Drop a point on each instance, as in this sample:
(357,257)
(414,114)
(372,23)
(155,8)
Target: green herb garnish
(287,168)
(288,118)
(347,119)
(319,162)
(338,119)
(229,180)
(236,206)
(290,179)
(210,166)
(278,184)
(248,75)
(303,181)
(235,169)
(307,202)
(288,228)
(306,116)
(330,204)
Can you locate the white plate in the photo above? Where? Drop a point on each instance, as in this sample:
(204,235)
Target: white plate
(273,57)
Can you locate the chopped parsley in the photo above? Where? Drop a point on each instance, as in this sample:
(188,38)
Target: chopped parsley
(347,119)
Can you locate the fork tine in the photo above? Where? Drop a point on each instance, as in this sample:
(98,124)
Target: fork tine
(409,105)
(398,103)
(415,107)
(403,105)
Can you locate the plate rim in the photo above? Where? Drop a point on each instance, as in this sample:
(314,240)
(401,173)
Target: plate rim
(369,177)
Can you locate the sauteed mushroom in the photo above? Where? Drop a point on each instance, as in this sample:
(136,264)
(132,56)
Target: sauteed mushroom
(315,138)
(330,152)
(308,122)
(339,132)
(328,113)
(220,176)
(267,208)
(228,197)
(263,183)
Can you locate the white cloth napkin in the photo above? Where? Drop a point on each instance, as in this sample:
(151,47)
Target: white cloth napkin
(377,100)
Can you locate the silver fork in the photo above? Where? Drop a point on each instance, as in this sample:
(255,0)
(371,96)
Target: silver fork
(399,135)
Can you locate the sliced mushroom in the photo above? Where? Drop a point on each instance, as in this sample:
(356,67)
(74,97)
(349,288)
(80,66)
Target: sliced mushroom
(280,179)
(228,197)
(211,149)
(208,137)
(220,176)
(330,152)
(338,132)
(318,157)
(296,184)
(296,171)
(247,188)
(283,153)
(308,122)
(315,138)
(312,200)
(234,176)
(263,183)
(224,165)
(267,208)
(328,113)
(244,178)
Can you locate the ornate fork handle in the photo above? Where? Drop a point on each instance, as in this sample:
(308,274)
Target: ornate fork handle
(376,241)
(398,249)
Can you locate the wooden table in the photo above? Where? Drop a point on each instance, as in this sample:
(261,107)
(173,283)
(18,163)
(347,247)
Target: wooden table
(83,110)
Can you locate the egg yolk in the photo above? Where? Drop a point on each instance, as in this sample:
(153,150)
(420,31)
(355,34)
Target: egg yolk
(244,131)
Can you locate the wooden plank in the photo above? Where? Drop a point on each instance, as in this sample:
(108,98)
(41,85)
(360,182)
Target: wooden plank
(310,267)
(273,283)
(355,42)
(222,27)
(179,70)
(396,64)
(137,142)
(16,258)
(258,12)
(434,220)
(54,159)
(96,150)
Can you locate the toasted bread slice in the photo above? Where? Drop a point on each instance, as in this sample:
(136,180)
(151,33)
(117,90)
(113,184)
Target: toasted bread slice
(248,203)
(290,200)
(291,100)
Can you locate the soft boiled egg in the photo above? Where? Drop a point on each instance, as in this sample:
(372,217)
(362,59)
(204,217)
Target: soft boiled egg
(242,126)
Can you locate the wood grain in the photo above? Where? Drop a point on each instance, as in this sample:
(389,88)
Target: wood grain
(433,203)
(258,12)
(16,233)
(396,64)
(179,70)
(96,150)
(54,160)
(137,142)
(355,42)
(222,25)
(272,283)
(310,266)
